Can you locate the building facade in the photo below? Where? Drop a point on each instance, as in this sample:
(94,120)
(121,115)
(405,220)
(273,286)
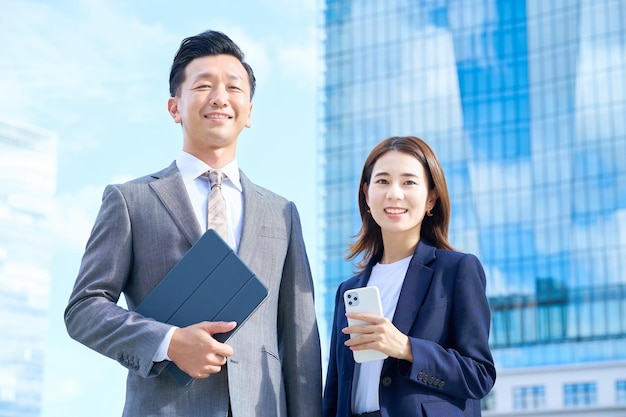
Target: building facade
(524,102)
(28,161)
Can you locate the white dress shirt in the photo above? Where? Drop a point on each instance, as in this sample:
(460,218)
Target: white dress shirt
(191,169)
(198,189)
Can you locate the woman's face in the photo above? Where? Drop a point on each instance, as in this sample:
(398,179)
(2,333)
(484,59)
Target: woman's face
(398,195)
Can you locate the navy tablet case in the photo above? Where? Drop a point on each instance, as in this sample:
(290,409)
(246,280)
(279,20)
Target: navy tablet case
(210,283)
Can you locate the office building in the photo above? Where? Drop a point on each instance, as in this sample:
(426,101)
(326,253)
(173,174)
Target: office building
(525,104)
(27,186)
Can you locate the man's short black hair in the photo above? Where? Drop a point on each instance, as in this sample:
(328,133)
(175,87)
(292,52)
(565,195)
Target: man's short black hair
(206,43)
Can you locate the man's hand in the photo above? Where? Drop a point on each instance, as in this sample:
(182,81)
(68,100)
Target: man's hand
(196,352)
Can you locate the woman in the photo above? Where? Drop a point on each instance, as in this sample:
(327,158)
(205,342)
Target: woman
(436,320)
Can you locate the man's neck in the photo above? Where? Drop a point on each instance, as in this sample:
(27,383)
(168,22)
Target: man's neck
(215,158)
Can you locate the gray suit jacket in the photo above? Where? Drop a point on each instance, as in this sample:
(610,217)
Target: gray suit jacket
(143,228)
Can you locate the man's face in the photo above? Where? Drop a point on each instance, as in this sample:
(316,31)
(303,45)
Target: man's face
(213,104)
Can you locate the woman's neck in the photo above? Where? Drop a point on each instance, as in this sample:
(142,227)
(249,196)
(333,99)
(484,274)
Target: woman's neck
(395,248)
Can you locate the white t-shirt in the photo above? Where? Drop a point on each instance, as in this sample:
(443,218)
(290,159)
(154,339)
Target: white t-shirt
(389,279)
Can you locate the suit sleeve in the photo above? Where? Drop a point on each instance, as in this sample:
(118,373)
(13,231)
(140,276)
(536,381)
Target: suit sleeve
(297,329)
(462,366)
(331,388)
(92,316)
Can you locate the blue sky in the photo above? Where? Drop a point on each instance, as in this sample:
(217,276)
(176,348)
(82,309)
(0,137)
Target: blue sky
(95,73)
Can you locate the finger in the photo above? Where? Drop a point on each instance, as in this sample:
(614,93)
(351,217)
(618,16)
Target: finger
(220,349)
(354,344)
(218,326)
(218,359)
(359,329)
(369,318)
(358,340)
(207,372)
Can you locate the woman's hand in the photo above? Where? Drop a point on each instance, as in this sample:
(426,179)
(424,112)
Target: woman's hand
(380,334)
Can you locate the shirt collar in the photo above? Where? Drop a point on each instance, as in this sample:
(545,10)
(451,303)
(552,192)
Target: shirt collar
(191,168)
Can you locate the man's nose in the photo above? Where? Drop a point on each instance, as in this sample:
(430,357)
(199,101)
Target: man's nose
(218,96)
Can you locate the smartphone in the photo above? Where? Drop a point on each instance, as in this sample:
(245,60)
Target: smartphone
(363,300)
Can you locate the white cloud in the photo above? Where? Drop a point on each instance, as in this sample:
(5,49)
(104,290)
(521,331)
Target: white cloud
(95,61)
(64,389)
(74,60)
(299,60)
(293,7)
(74,215)
(78,142)
(257,51)
(277,56)
(72,387)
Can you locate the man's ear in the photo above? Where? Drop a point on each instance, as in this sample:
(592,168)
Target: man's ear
(249,121)
(172,108)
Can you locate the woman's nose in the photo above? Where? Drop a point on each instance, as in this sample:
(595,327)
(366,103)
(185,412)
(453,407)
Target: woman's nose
(394,192)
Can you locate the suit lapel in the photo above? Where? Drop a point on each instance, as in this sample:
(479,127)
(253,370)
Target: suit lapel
(253,214)
(170,189)
(415,287)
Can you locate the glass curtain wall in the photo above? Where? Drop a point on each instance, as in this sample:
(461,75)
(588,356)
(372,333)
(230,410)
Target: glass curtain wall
(524,103)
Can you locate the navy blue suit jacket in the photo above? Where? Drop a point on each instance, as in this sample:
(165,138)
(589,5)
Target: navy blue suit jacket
(443,309)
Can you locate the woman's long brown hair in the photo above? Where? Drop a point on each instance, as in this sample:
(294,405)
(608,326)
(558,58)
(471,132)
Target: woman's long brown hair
(434,228)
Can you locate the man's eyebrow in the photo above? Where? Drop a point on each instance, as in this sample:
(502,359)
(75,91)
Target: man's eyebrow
(204,75)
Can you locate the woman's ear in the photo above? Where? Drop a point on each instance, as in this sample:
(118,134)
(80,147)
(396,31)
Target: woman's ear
(365,188)
(432,200)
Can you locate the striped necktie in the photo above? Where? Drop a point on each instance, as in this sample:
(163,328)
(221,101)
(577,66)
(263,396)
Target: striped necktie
(216,218)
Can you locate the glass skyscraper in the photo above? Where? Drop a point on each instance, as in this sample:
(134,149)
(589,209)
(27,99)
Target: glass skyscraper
(28,162)
(525,104)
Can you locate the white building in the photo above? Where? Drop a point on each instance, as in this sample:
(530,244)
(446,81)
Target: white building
(28,167)
(581,390)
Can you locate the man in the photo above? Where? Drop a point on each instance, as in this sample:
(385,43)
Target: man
(271,366)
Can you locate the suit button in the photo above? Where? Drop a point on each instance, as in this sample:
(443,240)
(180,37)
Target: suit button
(431,380)
(420,376)
(441,384)
(386,381)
